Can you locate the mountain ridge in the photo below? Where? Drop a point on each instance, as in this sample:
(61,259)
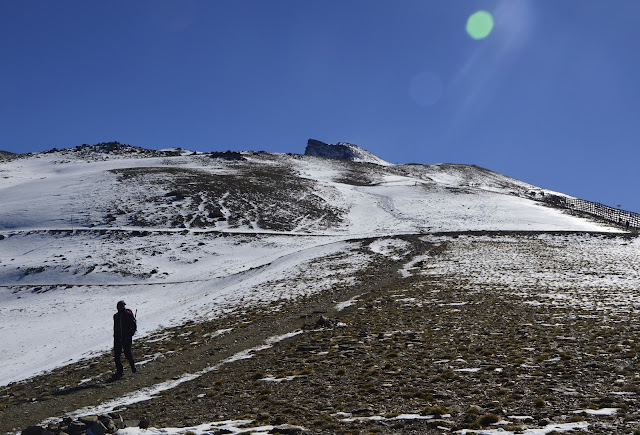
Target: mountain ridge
(282,283)
(241,190)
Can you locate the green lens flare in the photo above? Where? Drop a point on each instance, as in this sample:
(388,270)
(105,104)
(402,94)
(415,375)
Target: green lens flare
(479,25)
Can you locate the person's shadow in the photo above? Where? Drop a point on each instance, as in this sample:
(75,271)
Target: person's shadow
(115,377)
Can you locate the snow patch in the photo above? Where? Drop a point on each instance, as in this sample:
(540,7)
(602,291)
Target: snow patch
(561,427)
(603,411)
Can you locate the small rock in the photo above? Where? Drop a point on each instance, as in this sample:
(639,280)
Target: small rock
(262,416)
(278,420)
(144,424)
(324,322)
(287,429)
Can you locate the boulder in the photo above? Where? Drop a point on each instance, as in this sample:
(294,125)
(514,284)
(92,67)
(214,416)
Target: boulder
(108,423)
(35,430)
(77,427)
(97,428)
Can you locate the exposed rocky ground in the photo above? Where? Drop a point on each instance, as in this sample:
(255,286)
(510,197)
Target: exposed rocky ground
(5,156)
(408,353)
(203,196)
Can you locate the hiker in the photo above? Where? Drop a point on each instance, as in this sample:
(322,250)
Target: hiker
(124,326)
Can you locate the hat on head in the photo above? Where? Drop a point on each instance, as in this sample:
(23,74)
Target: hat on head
(120,304)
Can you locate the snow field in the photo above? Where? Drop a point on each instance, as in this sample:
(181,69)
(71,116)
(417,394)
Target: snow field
(54,191)
(593,272)
(435,198)
(551,428)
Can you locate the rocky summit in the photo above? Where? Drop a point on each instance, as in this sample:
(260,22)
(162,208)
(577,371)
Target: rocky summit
(343,151)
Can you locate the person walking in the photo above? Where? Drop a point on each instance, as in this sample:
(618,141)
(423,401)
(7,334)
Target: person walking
(124,326)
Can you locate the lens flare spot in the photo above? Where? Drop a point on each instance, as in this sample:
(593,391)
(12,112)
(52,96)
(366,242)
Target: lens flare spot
(480,25)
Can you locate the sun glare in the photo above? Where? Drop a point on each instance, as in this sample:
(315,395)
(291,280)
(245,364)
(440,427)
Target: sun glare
(480,24)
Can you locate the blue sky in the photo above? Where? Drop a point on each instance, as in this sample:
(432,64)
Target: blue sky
(551,96)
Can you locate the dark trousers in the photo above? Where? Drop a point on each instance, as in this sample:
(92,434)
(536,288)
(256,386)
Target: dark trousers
(120,344)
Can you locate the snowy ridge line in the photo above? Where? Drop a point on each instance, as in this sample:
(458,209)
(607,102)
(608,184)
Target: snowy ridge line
(353,236)
(237,232)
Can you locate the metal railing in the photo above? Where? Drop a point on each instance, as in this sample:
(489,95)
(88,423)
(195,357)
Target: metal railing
(627,219)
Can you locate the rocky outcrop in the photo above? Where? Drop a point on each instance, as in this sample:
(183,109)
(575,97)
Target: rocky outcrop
(227,155)
(105,149)
(118,149)
(6,156)
(87,425)
(342,151)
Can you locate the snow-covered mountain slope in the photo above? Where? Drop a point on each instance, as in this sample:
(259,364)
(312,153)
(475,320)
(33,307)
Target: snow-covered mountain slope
(265,192)
(181,235)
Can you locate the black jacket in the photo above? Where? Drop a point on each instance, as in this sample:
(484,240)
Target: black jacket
(124,324)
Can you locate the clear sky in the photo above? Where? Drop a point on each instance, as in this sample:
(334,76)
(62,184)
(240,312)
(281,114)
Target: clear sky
(551,96)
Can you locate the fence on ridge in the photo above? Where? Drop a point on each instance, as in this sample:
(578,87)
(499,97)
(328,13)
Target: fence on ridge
(627,219)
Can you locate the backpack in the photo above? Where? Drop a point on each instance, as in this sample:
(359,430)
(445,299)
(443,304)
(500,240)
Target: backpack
(133,325)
